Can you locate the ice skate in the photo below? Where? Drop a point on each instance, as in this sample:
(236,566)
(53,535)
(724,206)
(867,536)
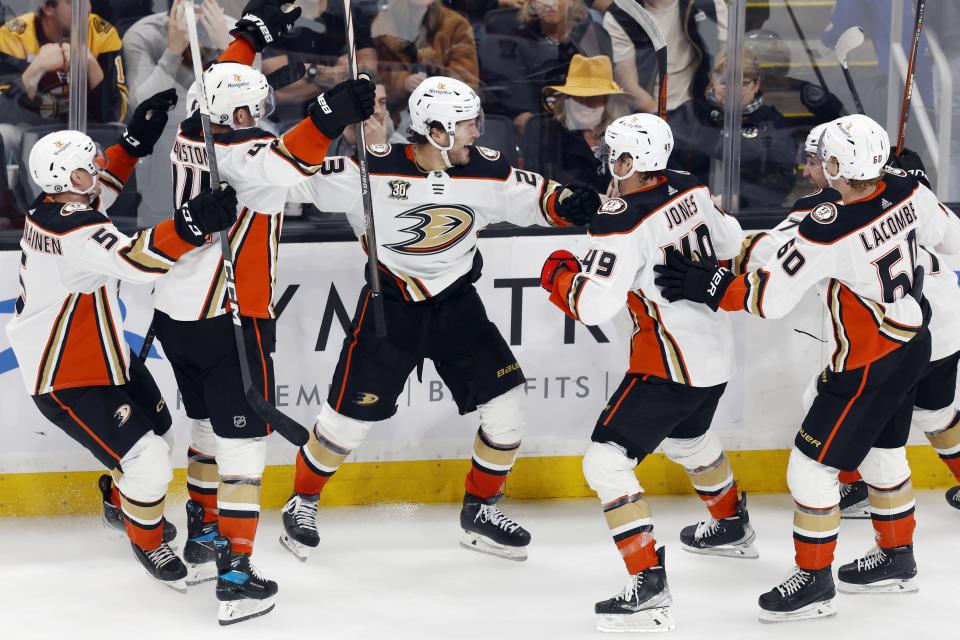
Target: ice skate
(643,606)
(953,497)
(164,565)
(198,553)
(300,533)
(804,595)
(731,537)
(112,516)
(487,530)
(880,571)
(854,502)
(243,593)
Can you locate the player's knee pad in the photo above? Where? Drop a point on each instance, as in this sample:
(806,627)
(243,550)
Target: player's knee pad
(202,437)
(609,471)
(342,431)
(693,453)
(812,484)
(169,438)
(504,418)
(147,470)
(885,467)
(241,457)
(933,421)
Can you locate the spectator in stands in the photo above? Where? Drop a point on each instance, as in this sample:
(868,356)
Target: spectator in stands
(695,31)
(319,43)
(564,144)
(38,45)
(377,129)
(768,152)
(419,38)
(157,50)
(531,49)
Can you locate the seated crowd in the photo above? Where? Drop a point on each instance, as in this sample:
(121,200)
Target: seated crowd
(552,75)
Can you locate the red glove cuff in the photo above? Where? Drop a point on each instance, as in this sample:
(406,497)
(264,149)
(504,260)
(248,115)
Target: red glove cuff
(556,263)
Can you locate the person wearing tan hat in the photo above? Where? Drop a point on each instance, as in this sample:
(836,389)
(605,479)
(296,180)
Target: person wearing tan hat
(563,144)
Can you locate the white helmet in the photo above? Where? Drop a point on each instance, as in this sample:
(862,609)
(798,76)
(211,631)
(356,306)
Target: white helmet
(644,137)
(809,146)
(229,86)
(446,101)
(56,155)
(860,145)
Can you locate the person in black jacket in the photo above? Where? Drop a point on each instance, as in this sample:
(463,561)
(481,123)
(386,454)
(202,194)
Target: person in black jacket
(767,152)
(564,144)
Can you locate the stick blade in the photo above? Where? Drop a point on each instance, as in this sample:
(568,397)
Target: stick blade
(286,426)
(847,42)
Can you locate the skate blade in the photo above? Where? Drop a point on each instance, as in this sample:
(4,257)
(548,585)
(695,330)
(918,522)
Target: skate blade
(200,573)
(745,549)
(300,550)
(856,512)
(656,620)
(824,609)
(234,611)
(895,585)
(483,544)
(180,586)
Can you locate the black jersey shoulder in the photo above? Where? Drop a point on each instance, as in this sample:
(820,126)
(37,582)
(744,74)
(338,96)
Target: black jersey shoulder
(62,218)
(395,160)
(622,215)
(829,222)
(484,163)
(900,185)
(239,136)
(809,201)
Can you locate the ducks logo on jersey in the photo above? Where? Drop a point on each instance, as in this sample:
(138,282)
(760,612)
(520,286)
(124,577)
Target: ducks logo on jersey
(436,229)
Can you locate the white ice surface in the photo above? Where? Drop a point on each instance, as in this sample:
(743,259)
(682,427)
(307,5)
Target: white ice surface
(396,571)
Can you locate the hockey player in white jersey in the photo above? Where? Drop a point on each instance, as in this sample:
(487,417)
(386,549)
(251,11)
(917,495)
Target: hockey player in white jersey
(862,254)
(228,445)
(681,358)
(67,332)
(934,412)
(430,199)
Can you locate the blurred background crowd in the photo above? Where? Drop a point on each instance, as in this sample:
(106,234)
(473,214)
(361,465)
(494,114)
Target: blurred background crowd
(551,73)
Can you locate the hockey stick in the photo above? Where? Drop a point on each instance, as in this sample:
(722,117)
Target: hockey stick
(643,18)
(282,424)
(908,82)
(370,231)
(847,42)
(806,47)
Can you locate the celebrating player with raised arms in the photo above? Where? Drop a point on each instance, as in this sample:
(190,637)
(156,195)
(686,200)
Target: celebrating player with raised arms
(228,447)
(862,254)
(67,332)
(430,199)
(681,358)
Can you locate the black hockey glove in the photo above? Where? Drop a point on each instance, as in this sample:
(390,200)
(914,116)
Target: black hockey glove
(286,75)
(147,123)
(349,102)
(578,203)
(684,279)
(211,211)
(910,162)
(264,21)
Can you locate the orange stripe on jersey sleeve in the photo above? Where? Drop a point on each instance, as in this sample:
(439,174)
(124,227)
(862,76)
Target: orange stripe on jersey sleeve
(119,163)
(561,290)
(167,241)
(735,297)
(550,208)
(306,143)
(240,50)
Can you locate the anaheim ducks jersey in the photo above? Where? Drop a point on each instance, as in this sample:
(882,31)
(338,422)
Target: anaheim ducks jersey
(67,331)
(261,167)
(679,341)
(861,256)
(758,248)
(427,222)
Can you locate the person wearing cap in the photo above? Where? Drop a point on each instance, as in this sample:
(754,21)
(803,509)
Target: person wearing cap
(564,144)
